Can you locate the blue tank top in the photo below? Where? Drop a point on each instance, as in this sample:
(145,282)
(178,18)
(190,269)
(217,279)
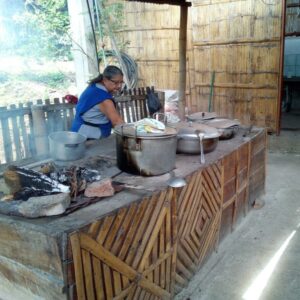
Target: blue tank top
(90,97)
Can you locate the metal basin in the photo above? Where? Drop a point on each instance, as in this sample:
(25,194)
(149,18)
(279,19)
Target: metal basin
(66,145)
(188,141)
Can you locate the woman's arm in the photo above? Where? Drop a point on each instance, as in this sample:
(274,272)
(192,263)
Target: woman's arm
(108,108)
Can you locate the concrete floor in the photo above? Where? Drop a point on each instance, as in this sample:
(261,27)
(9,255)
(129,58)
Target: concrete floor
(261,258)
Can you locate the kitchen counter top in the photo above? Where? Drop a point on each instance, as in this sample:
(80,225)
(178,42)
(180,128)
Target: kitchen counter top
(37,257)
(105,149)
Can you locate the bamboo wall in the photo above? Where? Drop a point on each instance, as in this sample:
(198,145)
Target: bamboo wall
(239,40)
(153,33)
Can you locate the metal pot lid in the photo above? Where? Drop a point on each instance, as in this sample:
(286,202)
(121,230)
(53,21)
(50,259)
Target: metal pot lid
(201,115)
(190,129)
(222,123)
(130,131)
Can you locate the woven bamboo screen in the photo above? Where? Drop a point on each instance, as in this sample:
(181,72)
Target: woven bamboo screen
(239,40)
(153,33)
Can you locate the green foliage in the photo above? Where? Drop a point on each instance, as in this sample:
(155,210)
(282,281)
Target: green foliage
(40,28)
(43,30)
(110,17)
(51,79)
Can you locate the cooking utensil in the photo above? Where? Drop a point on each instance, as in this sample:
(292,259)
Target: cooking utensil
(188,139)
(226,127)
(176,182)
(145,154)
(201,136)
(66,145)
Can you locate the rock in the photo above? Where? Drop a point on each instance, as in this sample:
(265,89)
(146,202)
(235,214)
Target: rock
(102,188)
(49,205)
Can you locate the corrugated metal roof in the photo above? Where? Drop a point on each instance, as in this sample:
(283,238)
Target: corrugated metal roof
(170,2)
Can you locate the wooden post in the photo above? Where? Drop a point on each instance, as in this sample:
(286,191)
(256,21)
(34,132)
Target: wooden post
(182,60)
(281,63)
(40,129)
(85,58)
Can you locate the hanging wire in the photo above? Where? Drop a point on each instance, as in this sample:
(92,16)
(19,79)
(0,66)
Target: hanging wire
(128,68)
(129,64)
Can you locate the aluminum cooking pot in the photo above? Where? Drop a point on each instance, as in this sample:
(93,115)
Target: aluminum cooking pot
(227,127)
(188,141)
(145,154)
(66,145)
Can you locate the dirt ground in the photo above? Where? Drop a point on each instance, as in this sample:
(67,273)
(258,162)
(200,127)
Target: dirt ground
(17,84)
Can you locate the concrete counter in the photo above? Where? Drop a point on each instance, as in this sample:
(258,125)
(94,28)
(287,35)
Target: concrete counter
(39,258)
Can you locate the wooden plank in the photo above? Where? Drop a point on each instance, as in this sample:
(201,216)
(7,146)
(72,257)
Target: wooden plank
(99,251)
(125,293)
(132,230)
(24,133)
(124,229)
(114,228)
(98,279)
(7,140)
(158,262)
(151,235)
(105,229)
(107,280)
(184,258)
(31,132)
(161,253)
(88,275)
(94,228)
(152,256)
(16,135)
(76,250)
(174,214)
(147,224)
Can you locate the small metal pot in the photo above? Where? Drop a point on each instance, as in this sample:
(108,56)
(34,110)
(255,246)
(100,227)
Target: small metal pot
(188,141)
(66,145)
(145,154)
(228,133)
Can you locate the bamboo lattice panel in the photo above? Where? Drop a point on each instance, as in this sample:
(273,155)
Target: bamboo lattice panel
(199,214)
(129,254)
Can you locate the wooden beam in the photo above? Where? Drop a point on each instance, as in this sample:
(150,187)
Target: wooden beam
(239,86)
(293,5)
(182,60)
(233,42)
(295,33)
(281,65)
(169,2)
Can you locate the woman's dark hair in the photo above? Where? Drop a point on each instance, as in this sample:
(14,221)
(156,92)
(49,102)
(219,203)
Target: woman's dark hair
(109,72)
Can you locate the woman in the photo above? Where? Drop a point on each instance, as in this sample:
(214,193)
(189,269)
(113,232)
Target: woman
(96,112)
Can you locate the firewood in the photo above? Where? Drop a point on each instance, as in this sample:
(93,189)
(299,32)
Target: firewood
(24,183)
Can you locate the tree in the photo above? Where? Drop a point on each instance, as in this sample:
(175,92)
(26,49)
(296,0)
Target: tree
(42,29)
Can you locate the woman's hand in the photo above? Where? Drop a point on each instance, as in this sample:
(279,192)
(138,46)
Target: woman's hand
(108,108)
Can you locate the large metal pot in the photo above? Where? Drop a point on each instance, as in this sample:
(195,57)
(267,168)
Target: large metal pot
(145,154)
(66,145)
(188,140)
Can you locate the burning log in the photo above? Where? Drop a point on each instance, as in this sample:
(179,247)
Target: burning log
(25,183)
